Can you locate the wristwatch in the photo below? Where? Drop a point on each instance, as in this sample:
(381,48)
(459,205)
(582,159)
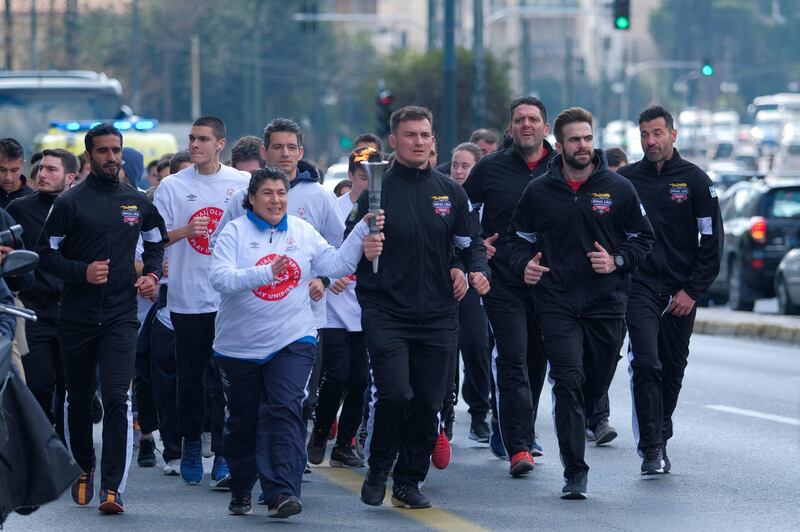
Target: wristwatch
(619,261)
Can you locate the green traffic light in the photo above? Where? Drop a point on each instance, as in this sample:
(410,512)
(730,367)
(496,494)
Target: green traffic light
(707,70)
(622,23)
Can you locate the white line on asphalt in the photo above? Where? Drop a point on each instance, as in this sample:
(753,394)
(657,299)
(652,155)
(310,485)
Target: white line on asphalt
(753,413)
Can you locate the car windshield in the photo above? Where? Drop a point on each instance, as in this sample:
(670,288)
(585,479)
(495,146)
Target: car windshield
(786,203)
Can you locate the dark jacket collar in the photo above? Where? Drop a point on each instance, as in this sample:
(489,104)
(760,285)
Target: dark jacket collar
(555,166)
(305,173)
(102,183)
(410,174)
(549,152)
(675,161)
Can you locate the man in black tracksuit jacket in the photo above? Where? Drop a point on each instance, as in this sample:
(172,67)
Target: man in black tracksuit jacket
(497,182)
(408,311)
(89,241)
(43,368)
(681,203)
(586,224)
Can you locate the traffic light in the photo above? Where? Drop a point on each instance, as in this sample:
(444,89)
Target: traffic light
(707,69)
(622,14)
(384,112)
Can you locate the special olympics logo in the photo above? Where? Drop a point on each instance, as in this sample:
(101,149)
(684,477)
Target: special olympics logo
(200,243)
(285,283)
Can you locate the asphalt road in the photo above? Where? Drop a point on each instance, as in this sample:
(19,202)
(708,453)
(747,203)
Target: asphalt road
(735,456)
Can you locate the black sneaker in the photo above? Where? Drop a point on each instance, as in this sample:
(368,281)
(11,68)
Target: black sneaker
(604,433)
(479,430)
(361,439)
(575,485)
(667,463)
(285,506)
(373,490)
(147,453)
(406,495)
(653,462)
(240,504)
(449,418)
(344,456)
(316,449)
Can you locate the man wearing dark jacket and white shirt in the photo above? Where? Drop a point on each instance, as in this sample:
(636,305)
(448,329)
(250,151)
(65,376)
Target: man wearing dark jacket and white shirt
(408,310)
(682,204)
(43,367)
(577,234)
(89,241)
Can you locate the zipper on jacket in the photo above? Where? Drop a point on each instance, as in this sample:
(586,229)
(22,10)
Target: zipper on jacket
(272,232)
(421,294)
(658,213)
(579,225)
(108,256)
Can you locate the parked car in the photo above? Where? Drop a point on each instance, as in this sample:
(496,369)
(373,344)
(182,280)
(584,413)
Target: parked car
(787,283)
(336,172)
(725,174)
(762,223)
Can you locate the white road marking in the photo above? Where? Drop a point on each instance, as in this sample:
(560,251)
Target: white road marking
(753,413)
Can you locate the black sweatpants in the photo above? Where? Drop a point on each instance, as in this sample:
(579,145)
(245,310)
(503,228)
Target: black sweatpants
(410,366)
(518,362)
(658,352)
(600,410)
(112,346)
(344,378)
(156,389)
(197,374)
(44,371)
(582,353)
(265,434)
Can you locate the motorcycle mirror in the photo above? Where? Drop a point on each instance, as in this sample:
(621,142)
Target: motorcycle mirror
(19,262)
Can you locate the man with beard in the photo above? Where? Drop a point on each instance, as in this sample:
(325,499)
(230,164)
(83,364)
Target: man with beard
(43,369)
(89,241)
(577,234)
(519,366)
(685,261)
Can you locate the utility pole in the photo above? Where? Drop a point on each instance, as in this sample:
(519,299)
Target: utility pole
(479,68)
(72,26)
(34,51)
(51,32)
(431,24)
(449,94)
(136,62)
(9,42)
(195,40)
(525,69)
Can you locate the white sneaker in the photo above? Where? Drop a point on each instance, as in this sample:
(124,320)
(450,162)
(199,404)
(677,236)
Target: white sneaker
(206,439)
(173,468)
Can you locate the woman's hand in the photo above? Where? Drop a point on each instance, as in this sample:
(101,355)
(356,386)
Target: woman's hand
(278,266)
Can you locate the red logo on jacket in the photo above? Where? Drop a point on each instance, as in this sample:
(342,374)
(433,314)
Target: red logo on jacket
(285,283)
(200,243)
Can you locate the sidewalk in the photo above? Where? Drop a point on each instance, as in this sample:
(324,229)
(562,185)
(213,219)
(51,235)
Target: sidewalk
(725,322)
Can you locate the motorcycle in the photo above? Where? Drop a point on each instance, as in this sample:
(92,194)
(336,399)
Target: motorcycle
(35,467)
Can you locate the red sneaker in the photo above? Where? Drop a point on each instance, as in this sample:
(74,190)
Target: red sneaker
(521,464)
(334,429)
(441,453)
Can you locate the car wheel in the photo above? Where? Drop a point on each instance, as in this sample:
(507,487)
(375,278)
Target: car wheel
(785,303)
(739,297)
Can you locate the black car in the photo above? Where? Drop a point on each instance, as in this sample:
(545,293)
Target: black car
(762,223)
(787,283)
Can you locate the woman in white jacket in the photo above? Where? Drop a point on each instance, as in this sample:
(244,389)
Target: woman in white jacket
(265,340)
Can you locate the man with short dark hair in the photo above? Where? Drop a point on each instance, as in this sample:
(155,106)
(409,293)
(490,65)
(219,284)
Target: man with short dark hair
(408,310)
(368,140)
(246,154)
(192,202)
(486,139)
(616,158)
(682,204)
(497,182)
(13,184)
(577,234)
(43,367)
(89,241)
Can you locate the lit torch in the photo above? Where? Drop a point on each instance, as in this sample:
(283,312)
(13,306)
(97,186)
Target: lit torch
(374,169)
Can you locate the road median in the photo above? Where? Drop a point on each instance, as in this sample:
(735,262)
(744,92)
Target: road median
(723,322)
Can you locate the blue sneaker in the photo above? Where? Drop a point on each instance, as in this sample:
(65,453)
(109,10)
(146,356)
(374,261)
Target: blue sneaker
(220,474)
(536,449)
(496,442)
(192,461)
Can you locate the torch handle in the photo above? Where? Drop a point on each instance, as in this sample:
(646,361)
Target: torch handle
(374,208)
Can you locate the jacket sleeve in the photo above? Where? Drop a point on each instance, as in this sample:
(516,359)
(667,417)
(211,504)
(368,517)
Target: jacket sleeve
(332,228)
(467,235)
(226,276)
(154,237)
(8,323)
(330,262)
(638,232)
(523,240)
(705,205)
(57,227)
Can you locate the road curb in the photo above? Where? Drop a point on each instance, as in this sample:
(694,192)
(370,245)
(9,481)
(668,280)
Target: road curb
(767,331)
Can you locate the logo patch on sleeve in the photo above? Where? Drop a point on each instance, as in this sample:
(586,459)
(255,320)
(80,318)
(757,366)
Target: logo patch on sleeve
(713,191)
(601,202)
(679,192)
(442,205)
(130,214)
